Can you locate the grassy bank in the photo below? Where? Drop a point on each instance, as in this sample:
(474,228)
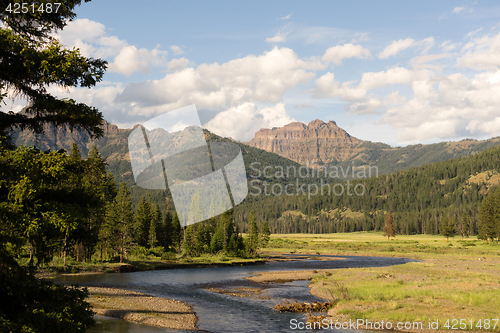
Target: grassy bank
(142,263)
(455,280)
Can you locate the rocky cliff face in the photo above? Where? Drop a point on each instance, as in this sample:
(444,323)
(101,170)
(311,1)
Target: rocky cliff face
(317,143)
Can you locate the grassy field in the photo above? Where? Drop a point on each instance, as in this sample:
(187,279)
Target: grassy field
(455,280)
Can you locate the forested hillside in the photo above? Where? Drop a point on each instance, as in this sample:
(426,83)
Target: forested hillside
(418,198)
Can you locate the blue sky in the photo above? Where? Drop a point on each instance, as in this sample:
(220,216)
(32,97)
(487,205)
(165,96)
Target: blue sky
(398,72)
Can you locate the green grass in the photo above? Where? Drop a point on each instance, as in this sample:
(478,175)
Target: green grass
(456,279)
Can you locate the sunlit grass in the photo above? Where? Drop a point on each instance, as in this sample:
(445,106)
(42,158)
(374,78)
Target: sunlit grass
(455,279)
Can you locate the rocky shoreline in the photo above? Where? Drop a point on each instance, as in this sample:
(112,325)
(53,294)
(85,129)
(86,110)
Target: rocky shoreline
(142,308)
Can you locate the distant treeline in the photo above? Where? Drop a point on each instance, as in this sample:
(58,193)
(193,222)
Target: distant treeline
(419,199)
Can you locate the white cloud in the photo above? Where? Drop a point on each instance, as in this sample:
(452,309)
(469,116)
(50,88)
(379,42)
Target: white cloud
(264,78)
(482,53)
(327,86)
(448,46)
(428,61)
(175,65)
(176,49)
(131,60)
(286,17)
(366,107)
(241,122)
(337,53)
(93,41)
(280,36)
(459,107)
(472,33)
(395,47)
(457,10)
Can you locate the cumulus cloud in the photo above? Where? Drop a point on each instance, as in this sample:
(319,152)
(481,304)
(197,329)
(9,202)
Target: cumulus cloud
(241,122)
(327,86)
(262,78)
(287,17)
(337,53)
(130,60)
(459,106)
(395,47)
(482,53)
(457,10)
(93,41)
(176,49)
(175,65)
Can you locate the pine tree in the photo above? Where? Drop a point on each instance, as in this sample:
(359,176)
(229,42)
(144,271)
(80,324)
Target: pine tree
(389,226)
(265,234)
(176,232)
(167,233)
(253,233)
(143,222)
(448,228)
(154,227)
(187,244)
(120,219)
(489,216)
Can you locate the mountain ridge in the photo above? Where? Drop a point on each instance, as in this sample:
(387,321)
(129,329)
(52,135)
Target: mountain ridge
(322,143)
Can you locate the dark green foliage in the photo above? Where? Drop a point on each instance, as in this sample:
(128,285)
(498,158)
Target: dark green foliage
(143,219)
(32,59)
(265,234)
(32,305)
(448,228)
(116,233)
(418,199)
(253,234)
(489,216)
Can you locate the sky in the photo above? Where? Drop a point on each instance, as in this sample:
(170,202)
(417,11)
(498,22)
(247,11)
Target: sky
(398,72)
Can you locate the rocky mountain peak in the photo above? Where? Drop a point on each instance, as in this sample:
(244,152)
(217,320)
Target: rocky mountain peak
(316,143)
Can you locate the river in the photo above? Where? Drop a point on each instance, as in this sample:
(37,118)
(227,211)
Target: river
(222,313)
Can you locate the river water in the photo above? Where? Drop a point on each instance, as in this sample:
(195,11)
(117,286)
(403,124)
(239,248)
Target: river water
(222,313)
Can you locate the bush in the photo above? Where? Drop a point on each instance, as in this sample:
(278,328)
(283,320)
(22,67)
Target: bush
(157,251)
(139,252)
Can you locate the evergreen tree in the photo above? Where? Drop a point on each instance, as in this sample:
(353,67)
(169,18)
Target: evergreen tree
(389,230)
(448,228)
(187,244)
(154,227)
(167,235)
(143,222)
(119,222)
(265,234)
(39,204)
(489,216)
(217,241)
(253,234)
(176,232)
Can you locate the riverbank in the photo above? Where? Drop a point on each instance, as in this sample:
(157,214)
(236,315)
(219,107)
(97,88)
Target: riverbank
(454,280)
(142,308)
(148,264)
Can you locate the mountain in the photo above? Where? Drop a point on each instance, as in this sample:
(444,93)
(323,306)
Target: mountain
(113,146)
(320,144)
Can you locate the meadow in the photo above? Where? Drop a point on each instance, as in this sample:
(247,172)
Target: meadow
(456,283)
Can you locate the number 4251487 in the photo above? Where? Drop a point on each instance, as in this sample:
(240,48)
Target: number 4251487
(462,324)
(23,8)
